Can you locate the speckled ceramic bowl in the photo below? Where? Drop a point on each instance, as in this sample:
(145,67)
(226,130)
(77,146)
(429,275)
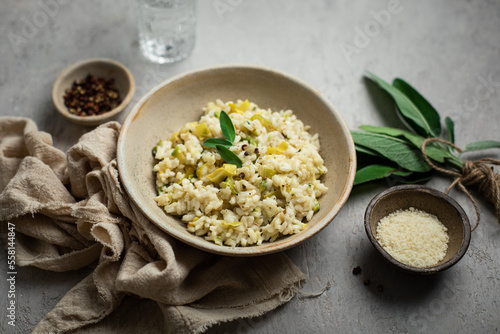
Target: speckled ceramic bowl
(179,100)
(445,208)
(99,67)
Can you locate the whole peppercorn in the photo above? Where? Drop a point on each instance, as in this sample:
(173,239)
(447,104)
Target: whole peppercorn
(356,270)
(92,96)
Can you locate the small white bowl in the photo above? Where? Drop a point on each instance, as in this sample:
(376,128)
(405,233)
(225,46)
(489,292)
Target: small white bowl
(99,67)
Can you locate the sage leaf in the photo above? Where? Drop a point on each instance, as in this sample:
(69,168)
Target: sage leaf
(366,157)
(482,145)
(376,172)
(407,108)
(229,156)
(361,149)
(430,114)
(227,126)
(394,132)
(417,178)
(437,153)
(394,149)
(213,142)
(450,126)
(373,172)
(403,173)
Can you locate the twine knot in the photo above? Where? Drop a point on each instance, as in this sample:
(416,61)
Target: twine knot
(479,173)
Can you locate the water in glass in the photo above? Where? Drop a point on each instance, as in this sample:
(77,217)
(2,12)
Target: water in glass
(167,29)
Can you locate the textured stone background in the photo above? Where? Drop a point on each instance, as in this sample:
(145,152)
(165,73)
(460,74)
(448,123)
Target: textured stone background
(447,49)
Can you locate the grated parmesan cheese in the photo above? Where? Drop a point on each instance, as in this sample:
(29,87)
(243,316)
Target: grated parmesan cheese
(413,237)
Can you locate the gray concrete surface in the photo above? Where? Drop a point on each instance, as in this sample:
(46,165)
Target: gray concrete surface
(448,49)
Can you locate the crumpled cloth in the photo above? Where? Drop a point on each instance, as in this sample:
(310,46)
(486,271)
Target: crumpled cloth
(71,211)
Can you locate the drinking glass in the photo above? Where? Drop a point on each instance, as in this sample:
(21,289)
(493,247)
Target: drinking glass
(167,29)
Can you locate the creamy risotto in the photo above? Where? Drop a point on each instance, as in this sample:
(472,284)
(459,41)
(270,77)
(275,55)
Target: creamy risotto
(273,193)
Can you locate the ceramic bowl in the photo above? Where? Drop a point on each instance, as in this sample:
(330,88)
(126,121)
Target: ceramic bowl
(179,100)
(99,67)
(445,208)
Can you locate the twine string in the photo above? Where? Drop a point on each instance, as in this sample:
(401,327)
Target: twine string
(477,173)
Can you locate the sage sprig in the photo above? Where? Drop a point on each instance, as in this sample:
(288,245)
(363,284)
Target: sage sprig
(223,145)
(392,152)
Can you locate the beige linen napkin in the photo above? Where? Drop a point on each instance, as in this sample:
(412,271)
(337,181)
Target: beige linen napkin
(70,211)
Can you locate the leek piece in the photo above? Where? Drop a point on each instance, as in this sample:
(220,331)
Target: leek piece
(202,131)
(315,207)
(266,172)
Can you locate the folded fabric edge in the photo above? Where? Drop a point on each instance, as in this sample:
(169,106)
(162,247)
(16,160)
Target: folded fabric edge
(192,319)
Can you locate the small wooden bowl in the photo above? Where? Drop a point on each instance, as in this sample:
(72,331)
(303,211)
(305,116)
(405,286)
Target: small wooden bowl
(99,67)
(445,208)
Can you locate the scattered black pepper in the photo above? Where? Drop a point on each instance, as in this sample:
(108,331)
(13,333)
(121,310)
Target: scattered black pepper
(241,175)
(92,96)
(246,153)
(243,146)
(356,270)
(256,150)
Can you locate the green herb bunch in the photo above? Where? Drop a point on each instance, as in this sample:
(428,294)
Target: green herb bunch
(223,145)
(397,153)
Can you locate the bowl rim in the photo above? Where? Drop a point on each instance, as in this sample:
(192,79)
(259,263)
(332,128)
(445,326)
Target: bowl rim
(96,119)
(267,248)
(412,188)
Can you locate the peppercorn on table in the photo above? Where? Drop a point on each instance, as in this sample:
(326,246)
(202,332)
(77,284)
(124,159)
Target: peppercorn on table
(447,49)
